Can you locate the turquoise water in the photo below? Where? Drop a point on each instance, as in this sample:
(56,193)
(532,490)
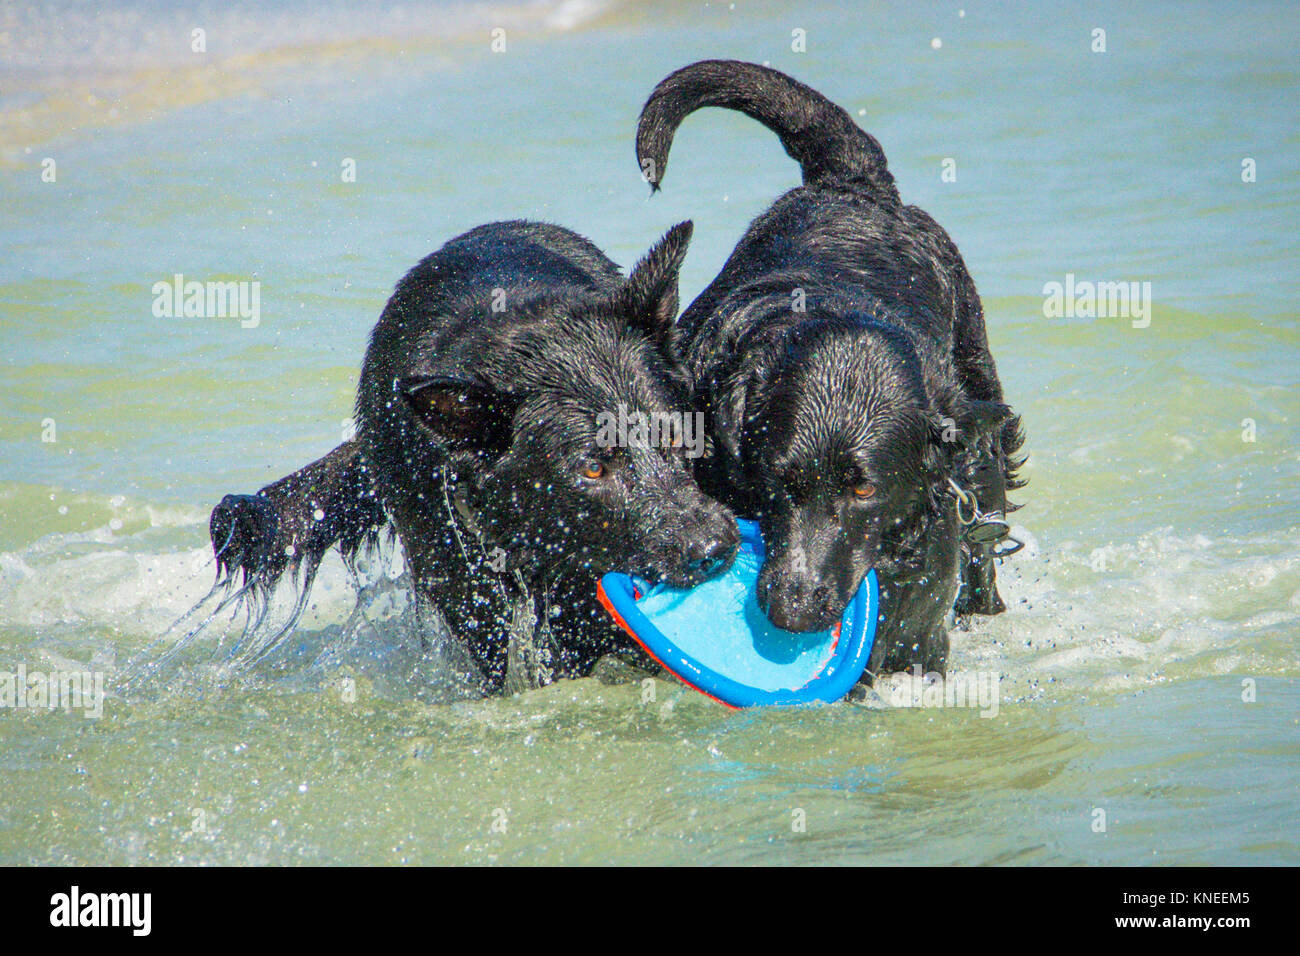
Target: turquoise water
(1148,665)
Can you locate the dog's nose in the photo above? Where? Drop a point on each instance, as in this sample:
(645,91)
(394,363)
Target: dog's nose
(711,556)
(792,608)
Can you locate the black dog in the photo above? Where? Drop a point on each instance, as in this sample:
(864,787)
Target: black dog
(478,438)
(841,359)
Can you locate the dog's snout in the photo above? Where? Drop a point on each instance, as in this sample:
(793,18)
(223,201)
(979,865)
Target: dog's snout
(708,548)
(794,605)
(711,556)
(707,552)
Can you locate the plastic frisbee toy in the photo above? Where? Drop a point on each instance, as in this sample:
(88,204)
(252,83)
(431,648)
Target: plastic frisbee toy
(717,639)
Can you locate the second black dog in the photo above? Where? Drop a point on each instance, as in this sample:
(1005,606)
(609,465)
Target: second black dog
(842,361)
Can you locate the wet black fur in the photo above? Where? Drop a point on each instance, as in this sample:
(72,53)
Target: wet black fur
(883,378)
(476,417)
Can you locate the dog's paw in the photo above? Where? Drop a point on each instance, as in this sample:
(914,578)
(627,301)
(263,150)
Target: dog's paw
(243,530)
(979,586)
(976,598)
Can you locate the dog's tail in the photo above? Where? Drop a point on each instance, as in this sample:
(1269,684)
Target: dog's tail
(828,146)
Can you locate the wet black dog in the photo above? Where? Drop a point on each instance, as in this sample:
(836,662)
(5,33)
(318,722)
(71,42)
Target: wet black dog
(479,413)
(841,360)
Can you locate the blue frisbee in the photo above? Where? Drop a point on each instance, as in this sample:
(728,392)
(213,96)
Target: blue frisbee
(715,638)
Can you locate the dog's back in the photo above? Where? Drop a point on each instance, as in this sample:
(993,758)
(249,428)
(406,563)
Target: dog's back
(840,247)
(844,234)
(457,296)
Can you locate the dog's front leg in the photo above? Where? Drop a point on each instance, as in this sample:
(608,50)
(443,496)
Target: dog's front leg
(979,588)
(292,522)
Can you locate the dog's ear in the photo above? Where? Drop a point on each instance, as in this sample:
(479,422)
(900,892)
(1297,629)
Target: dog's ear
(959,427)
(649,297)
(974,419)
(727,411)
(461,412)
(733,404)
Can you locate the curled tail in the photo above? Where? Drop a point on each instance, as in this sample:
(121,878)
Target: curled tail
(822,138)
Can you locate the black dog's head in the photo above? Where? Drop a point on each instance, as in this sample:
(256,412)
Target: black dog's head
(845,451)
(541,435)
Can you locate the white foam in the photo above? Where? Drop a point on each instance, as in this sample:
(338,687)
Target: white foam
(1160,606)
(1082,618)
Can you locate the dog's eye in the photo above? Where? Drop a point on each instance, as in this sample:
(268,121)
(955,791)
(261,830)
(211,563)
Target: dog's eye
(594,470)
(864,490)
